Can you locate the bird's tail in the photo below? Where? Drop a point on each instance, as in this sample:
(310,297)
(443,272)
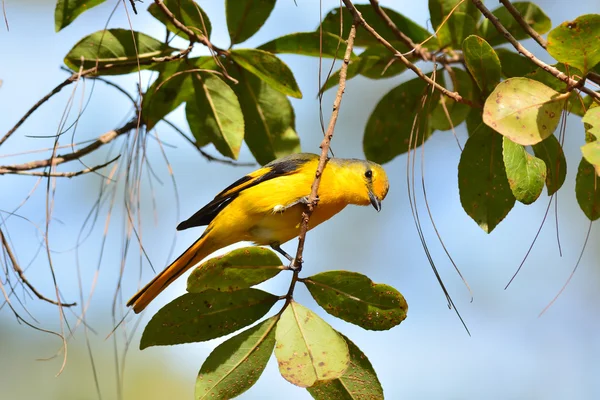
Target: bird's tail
(194,254)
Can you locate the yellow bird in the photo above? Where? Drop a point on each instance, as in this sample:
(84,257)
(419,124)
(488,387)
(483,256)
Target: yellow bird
(265,207)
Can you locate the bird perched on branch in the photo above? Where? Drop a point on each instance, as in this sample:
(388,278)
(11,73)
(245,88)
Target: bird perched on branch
(265,207)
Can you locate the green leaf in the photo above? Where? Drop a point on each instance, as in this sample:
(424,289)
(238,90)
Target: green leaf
(238,269)
(587,190)
(197,317)
(456,29)
(269,120)
(215,114)
(307,348)
(236,364)
(482,62)
(591,150)
(356,66)
(532,14)
(380,62)
(482,183)
(172,87)
(354,298)
(245,17)
(116,47)
(67,10)
(514,64)
(331,23)
(474,119)
(591,121)
(358,382)
(524,110)
(269,68)
(576,42)
(440,9)
(308,44)
(389,127)
(187,12)
(461,83)
(551,152)
(526,174)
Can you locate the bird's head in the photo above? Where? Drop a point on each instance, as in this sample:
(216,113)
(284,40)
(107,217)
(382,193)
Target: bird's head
(364,182)
(376,182)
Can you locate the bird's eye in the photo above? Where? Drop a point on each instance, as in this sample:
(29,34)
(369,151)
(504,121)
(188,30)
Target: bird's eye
(369,174)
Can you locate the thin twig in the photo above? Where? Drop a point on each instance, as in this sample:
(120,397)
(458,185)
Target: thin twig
(572,83)
(60,159)
(65,174)
(360,20)
(209,157)
(313,198)
(21,274)
(421,52)
(526,27)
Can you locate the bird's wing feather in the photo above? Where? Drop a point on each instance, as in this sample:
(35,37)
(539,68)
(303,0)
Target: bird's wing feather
(280,167)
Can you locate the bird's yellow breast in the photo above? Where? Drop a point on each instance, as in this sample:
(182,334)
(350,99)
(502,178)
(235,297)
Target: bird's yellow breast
(252,216)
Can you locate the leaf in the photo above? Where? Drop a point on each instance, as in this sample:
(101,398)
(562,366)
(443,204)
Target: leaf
(532,14)
(67,10)
(307,348)
(482,183)
(187,12)
(523,110)
(354,298)
(197,317)
(382,63)
(359,382)
(591,150)
(461,83)
(576,42)
(456,29)
(215,113)
(389,127)
(269,68)
(440,9)
(331,23)
(238,269)
(355,67)
(308,44)
(245,17)
(116,47)
(526,174)
(269,120)
(474,119)
(236,364)
(591,121)
(550,151)
(587,190)
(514,64)
(172,87)
(482,62)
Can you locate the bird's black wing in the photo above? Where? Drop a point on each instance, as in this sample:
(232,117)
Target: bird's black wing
(283,166)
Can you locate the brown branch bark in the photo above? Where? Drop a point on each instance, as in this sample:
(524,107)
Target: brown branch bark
(21,274)
(60,159)
(519,47)
(519,18)
(313,198)
(360,20)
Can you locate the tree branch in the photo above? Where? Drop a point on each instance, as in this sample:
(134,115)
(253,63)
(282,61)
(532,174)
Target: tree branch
(313,198)
(60,159)
(360,20)
(526,27)
(572,83)
(21,274)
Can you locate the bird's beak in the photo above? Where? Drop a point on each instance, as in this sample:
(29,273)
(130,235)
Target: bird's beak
(375,201)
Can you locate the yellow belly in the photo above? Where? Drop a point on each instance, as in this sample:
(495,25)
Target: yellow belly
(251,216)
